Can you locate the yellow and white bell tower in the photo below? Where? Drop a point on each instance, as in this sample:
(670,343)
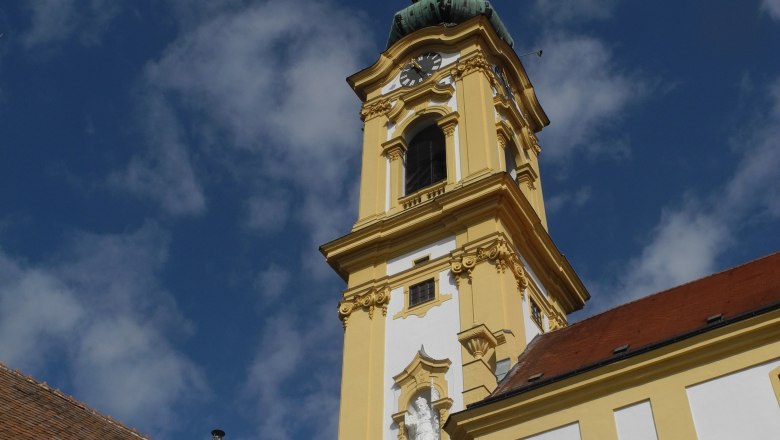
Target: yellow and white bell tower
(449,268)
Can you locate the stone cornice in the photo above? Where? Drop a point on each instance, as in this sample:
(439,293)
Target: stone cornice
(494,195)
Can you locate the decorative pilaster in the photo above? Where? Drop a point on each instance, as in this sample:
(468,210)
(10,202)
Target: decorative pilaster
(394,150)
(447,125)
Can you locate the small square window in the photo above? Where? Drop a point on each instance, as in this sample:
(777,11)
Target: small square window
(422,293)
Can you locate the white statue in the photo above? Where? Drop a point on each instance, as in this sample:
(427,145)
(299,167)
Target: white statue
(421,423)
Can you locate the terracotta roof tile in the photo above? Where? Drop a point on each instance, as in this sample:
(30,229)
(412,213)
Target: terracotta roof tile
(32,410)
(646,323)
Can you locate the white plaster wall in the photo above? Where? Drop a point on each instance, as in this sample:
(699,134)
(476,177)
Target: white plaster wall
(635,422)
(741,405)
(568,432)
(437,331)
(406,261)
(446,60)
(532,274)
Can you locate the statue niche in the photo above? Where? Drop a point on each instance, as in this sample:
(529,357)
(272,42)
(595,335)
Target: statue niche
(422,409)
(421,421)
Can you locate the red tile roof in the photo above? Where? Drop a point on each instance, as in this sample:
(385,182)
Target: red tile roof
(32,410)
(646,323)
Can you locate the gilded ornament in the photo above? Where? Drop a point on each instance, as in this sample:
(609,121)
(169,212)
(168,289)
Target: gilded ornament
(368,300)
(372,110)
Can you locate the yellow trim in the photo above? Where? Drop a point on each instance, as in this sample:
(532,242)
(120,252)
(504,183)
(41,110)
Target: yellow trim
(422,309)
(774,377)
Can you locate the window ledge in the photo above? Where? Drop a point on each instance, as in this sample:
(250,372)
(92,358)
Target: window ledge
(421,310)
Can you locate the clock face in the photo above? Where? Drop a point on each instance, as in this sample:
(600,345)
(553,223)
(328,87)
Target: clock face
(420,68)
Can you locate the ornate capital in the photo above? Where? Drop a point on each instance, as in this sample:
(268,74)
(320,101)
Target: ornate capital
(370,300)
(394,148)
(477,62)
(374,109)
(478,341)
(462,265)
(448,123)
(498,252)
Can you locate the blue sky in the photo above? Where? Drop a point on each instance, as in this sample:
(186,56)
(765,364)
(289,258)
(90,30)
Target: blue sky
(169,168)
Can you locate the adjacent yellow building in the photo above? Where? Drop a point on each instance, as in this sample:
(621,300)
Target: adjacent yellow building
(453,281)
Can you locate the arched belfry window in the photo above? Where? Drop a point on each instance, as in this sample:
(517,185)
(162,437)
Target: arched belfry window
(426,159)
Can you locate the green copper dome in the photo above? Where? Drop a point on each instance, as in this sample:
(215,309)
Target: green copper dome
(424,13)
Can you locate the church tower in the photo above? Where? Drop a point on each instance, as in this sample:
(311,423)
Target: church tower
(449,268)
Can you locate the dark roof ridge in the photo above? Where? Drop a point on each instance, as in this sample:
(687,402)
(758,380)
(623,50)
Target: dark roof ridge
(667,290)
(71,400)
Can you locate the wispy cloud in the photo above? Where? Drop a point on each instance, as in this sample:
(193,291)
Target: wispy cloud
(288,407)
(584,91)
(54,21)
(98,310)
(568,200)
(691,237)
(259,90)
(164,172)
(772,7)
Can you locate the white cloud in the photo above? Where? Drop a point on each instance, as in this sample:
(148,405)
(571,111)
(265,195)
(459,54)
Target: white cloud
(98,312)
(267,213)
(560,11)
(263,81)
(289,407)
(568,200)
(54,21)
(272,281)
(690,239)
(585,93)
(165,172)
(772,7)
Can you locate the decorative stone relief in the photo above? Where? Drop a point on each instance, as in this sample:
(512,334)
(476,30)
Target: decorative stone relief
(370,300)
(498,252)
(478,62)
(374,109)
(530,141)
(478,341)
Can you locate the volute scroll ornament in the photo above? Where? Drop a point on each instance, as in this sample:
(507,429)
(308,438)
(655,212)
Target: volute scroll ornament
(370,300)
(499,253)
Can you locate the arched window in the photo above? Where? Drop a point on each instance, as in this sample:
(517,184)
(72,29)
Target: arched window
(426,159)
